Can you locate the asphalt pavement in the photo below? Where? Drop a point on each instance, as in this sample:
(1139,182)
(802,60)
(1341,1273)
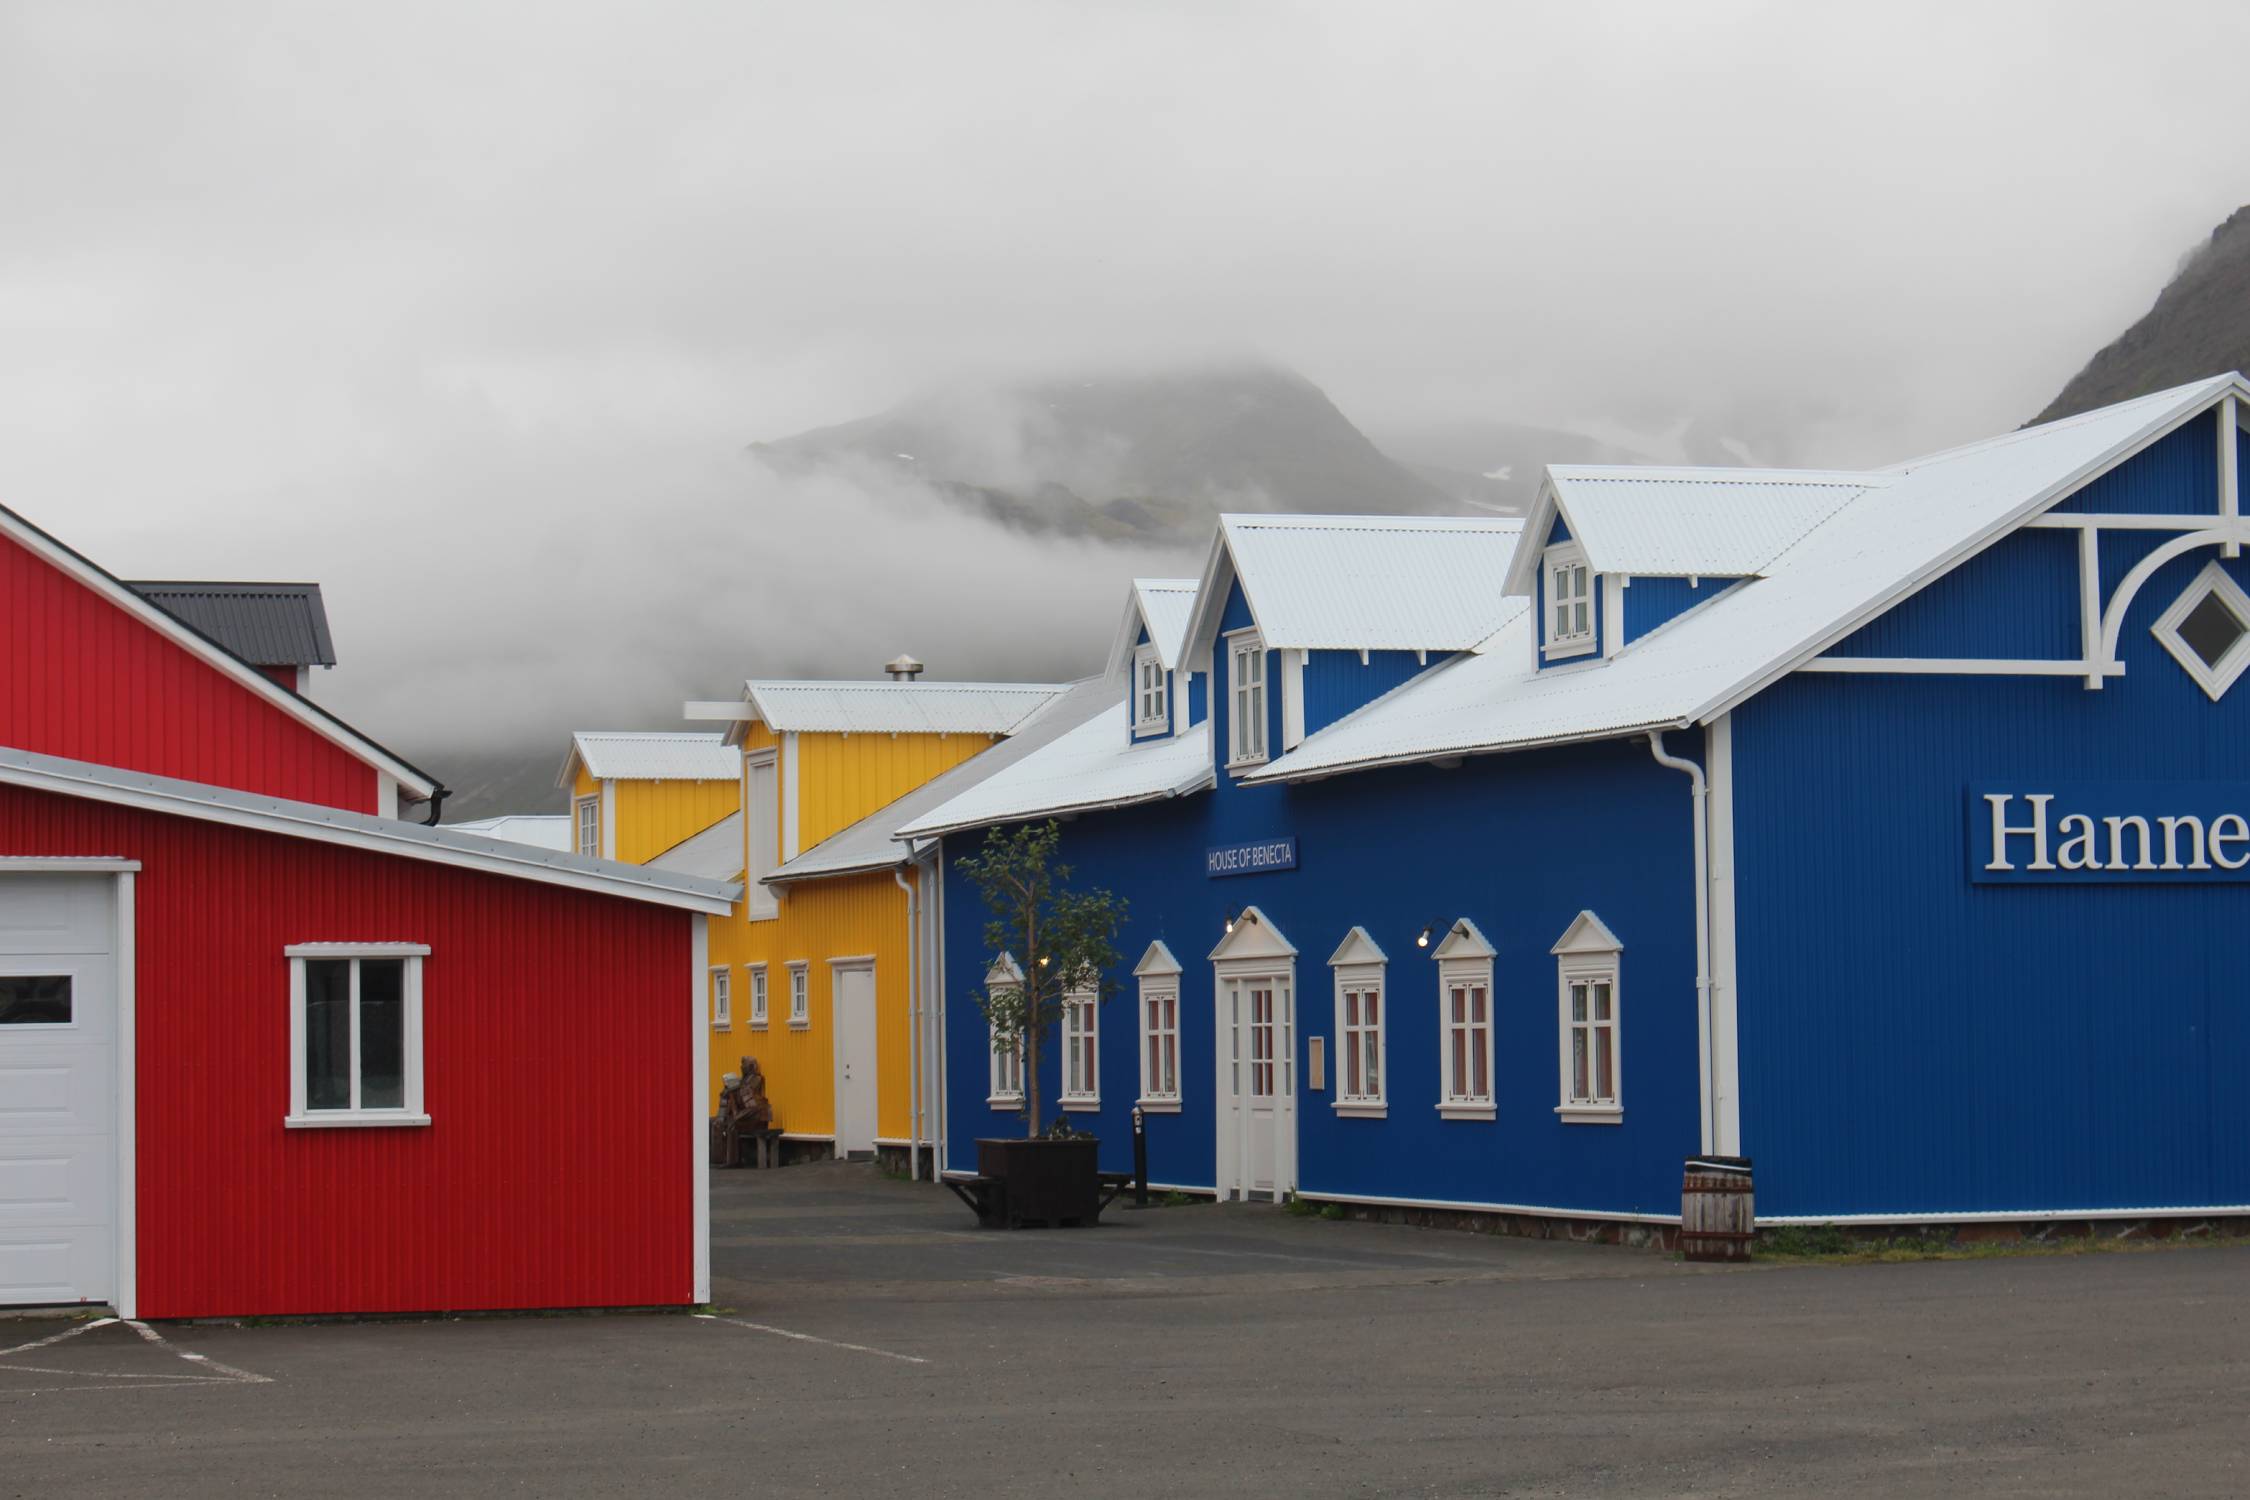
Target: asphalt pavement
(868,1340)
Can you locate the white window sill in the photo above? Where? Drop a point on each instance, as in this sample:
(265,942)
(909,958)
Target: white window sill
(1564,650)
(1151,726)
(1590,1114)
(757,1025)
(344,1119)
(722,1025)
(1004,1101)
(1362,1109)
(1082,1106)
(1466,1111)
(1238,767)
(1157,1106)
(804,1025)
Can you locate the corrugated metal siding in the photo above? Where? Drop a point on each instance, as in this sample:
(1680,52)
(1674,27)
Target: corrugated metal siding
(1651,522)
(1365,582)
(2178,473)
(1651,601)
(847,916)
(545,1012)
(83,679)
(1336,683)
(1913,1043)
(2017,598)
(652,816)
(269,624)
(841,778)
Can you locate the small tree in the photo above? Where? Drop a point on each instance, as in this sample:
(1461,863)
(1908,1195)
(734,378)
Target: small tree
(1063,940)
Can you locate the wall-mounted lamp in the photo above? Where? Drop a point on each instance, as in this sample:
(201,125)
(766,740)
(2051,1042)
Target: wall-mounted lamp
(1422,938)
(1042,960)
(1243,915)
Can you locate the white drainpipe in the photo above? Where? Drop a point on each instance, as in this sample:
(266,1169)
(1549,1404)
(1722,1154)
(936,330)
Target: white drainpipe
(1698,790)
(913,1032)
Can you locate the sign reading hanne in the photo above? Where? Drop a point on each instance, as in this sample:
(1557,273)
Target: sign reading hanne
(2110,831)
(1251,859)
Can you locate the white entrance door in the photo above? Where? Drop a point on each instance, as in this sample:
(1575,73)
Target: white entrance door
(1257,1013)
(855,1054)
(58,1088)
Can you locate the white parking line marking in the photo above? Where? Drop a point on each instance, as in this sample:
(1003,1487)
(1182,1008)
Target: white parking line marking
(808,1338)
(55,1338)
(243,1377)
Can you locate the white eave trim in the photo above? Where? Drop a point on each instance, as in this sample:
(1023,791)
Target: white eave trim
(307,821)
(334,730)
(1202,782)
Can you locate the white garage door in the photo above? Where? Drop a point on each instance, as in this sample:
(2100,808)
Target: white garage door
(58,1088)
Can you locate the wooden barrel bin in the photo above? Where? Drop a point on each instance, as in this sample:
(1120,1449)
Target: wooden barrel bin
(1718,1212)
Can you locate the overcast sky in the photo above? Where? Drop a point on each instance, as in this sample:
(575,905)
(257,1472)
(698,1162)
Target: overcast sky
(467,310)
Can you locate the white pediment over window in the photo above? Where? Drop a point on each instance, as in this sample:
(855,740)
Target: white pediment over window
(1356,948)
(1587,934)
(1003,971)
(1253,937)
(1156,961)
(1463,940)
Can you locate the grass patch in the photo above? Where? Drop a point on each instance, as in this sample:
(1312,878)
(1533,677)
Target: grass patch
(1826,1244)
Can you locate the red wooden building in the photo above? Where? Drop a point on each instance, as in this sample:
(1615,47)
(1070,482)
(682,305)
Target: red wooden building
(265,1048)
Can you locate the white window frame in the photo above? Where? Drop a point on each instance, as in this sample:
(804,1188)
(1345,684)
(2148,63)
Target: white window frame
(761,830)
(1160,1042)
(1152,694)
(408,1113)
(1246,646)
(1566,560)
(1464,960)
(1004,1074)
(1361,969)
(1082,1050)
(586,832)
(800,994)
(1589,953)
(2213,678)
(722,998)
(760,1001)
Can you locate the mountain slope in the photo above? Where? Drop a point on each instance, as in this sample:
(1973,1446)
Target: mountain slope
(1146,456)
(2199,326)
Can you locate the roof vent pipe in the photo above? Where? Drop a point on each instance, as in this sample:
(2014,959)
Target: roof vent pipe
(903,668)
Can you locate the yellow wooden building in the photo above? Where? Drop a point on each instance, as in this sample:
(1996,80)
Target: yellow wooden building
(816,972)
(635,794)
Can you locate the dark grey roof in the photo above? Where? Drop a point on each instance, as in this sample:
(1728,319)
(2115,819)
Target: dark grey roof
(266,624)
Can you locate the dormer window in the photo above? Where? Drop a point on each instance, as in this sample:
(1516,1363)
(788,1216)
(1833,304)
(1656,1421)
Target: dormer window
(1151,710)
(1570,601)
(1246,688)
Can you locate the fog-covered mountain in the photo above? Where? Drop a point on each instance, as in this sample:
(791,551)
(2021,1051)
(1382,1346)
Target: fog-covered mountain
(2199,326)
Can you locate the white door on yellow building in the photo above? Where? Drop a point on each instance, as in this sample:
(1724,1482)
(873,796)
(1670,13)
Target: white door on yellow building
(855,1057)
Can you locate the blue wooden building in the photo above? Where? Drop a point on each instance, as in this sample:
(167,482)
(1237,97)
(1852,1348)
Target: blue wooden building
(1886,827)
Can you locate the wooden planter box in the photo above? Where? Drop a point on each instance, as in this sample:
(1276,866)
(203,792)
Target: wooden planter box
(1042,1182)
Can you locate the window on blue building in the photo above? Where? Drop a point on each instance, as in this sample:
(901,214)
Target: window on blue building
(1246,684)
(1149,707)
(1082,1077)
(1464,963)
(1570,601)
(1588,997)
(1160,1041)
(1360,968)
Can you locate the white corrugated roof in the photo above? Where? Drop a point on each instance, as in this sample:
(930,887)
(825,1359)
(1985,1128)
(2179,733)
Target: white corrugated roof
(1166,604)
(335,825)
(1886,542)
(714,854)
(652,755)
(896,707)
(539,830)
(869,844)
(1712,522)
(1360,583)
(1091,766)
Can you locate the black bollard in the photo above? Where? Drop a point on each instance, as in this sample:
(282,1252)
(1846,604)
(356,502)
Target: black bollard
(1140,1158)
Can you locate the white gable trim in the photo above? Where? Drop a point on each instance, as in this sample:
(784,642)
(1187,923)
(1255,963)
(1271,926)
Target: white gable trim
(1004,970)
(1252,937)
(1211,589)
(1523,568)
(1356,948)
(1156,960)
(1464,940)
(2214,394)
(1587,933)
(335,731)
(306,820)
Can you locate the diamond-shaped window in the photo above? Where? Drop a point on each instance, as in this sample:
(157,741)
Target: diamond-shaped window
(2207,630)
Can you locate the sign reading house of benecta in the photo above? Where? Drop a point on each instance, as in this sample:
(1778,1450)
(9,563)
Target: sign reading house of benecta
(2110,831)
